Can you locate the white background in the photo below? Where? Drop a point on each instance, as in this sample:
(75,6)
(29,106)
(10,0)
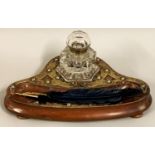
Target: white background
(24,52)
(79,14)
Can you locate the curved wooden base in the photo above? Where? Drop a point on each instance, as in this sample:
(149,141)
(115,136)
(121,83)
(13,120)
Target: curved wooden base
(131,109)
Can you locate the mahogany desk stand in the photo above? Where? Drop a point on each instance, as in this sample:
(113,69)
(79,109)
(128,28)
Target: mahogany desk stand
(77,86)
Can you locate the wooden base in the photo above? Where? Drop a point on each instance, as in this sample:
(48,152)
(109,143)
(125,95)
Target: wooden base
(133,109)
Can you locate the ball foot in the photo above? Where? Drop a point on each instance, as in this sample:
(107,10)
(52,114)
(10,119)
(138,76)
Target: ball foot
(21,117)
(137,116)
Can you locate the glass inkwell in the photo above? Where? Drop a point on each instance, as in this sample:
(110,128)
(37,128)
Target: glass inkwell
(78,86)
